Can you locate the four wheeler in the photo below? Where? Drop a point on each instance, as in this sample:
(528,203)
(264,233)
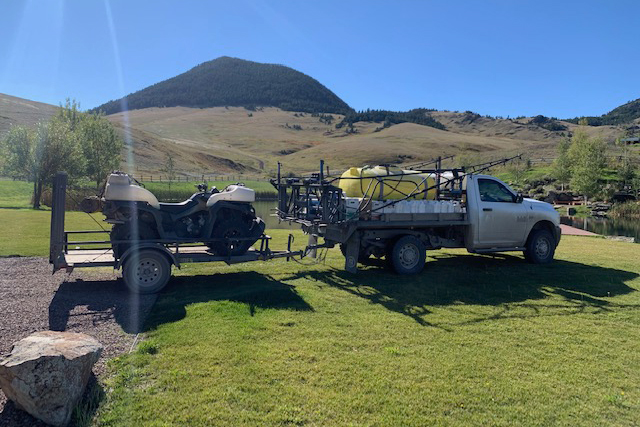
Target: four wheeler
(211,216)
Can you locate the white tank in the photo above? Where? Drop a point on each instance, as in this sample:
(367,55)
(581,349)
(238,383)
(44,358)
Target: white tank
(233,193)
(120,187)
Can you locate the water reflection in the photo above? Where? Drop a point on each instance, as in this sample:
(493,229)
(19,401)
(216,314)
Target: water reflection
(265,209)
(606,226)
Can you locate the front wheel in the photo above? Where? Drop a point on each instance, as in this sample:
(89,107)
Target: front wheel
(540,247)
(408,255)
(146,271)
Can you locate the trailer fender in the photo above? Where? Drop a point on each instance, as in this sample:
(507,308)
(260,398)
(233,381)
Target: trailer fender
(160,248)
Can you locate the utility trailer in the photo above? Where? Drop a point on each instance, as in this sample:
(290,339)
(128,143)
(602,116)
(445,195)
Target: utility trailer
(146,264)
(482,214)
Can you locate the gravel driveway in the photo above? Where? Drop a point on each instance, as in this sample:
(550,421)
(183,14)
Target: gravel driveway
(91,301)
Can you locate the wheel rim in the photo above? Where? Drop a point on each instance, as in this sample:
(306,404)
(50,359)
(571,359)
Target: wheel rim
(542,248)
(409,256)
(148,272)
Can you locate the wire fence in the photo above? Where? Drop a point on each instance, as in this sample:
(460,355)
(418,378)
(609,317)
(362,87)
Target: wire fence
(143,177)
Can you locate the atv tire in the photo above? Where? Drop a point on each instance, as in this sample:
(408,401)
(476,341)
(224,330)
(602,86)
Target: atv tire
(125,232)
(230,228)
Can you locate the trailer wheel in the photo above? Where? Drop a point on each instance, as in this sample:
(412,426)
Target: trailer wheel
(408,255)
(146,271)
(540,247)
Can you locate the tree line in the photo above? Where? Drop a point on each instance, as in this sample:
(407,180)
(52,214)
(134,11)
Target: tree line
(82,144)
(419,116)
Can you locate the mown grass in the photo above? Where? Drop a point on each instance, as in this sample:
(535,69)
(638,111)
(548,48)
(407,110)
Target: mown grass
(25,232)
(15,194)
(473,340)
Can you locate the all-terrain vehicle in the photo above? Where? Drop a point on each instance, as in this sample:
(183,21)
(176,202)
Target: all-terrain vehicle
(214,217)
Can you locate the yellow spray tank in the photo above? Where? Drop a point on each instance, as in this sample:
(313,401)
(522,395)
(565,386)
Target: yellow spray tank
(387,183)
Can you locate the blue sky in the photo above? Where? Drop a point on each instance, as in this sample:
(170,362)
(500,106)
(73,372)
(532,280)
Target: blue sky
(509,58)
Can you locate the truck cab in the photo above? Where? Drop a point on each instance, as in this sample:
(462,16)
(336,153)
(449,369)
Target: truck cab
(501,219)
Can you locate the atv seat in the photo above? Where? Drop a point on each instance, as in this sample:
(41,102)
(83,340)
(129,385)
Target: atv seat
(175,208)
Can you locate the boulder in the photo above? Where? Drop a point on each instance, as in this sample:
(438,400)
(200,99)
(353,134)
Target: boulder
(46,373)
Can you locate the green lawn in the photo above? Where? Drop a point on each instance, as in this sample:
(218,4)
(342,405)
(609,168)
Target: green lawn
(15,194)
(473,340)
(25,232)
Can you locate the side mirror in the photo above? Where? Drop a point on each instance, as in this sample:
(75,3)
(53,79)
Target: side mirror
(519,198)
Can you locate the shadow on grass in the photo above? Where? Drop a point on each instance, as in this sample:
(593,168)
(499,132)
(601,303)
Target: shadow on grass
(499,280)
(99,301)
(255,290)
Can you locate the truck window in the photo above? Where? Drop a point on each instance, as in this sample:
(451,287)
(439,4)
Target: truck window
(493,191)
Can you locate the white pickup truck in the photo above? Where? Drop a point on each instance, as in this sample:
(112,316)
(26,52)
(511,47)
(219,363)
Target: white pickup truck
(488,216)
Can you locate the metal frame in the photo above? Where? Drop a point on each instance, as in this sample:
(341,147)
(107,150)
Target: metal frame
(177,250)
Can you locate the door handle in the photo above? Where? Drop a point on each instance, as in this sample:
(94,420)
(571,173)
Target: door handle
(487,209)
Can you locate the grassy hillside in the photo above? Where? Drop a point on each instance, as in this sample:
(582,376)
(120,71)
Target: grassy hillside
(224,140)
(235,82)
(18,111)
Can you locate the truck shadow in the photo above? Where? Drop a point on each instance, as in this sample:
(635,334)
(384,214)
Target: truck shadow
(255,290)
(103,300)
(504,281)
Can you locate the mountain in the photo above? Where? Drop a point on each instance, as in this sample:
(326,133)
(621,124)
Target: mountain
(623,114)
(235,82)
(19,111)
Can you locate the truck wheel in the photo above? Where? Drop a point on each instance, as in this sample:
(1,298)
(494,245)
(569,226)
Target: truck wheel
(146,271)
(408,255)
(540,247)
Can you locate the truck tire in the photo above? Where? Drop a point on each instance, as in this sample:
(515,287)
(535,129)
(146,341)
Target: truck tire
(408,255)
(146,272)
(540,247)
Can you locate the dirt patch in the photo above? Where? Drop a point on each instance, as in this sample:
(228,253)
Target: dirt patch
(93,302)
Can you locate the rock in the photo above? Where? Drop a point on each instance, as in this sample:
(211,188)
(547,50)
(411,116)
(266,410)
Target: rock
(46,373)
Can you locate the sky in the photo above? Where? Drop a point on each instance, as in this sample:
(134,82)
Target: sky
(501,58)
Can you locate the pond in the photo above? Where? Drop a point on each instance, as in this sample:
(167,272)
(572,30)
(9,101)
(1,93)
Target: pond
(265,210)
(606,226)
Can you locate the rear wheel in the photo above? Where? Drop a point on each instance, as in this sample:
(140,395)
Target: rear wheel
(540,247)
(146,271)
(408,255)
(132,233)
(229,229)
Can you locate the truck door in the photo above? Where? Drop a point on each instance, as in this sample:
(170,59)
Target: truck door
(502,221)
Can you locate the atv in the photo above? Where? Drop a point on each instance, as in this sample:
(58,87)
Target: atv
(216,218)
